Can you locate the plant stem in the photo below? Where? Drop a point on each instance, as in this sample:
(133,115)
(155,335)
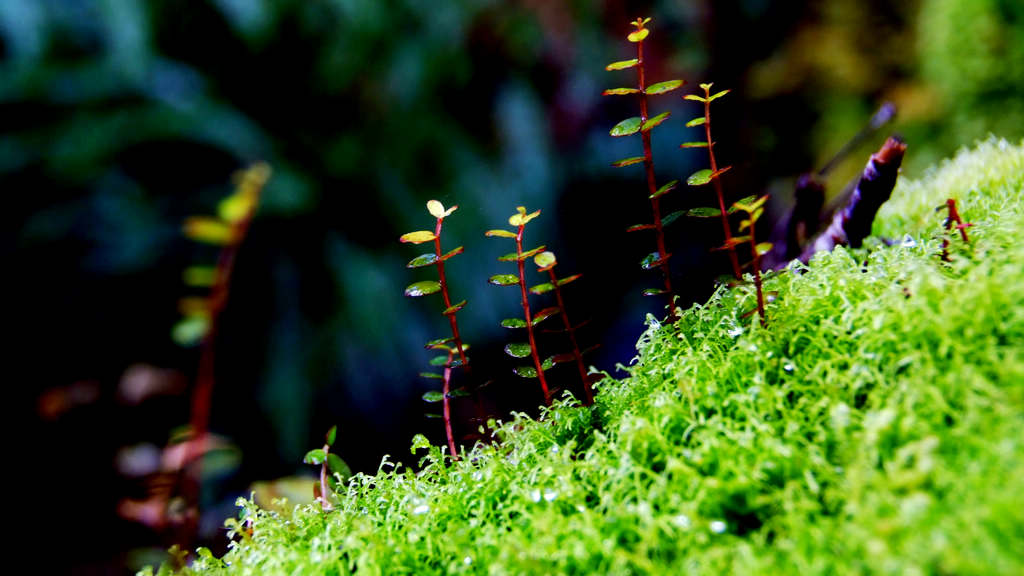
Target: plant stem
(733,259)
(572,338)
(529,319)
(652,185)
(203,392)
(447,406)
(442,279)
(324,505)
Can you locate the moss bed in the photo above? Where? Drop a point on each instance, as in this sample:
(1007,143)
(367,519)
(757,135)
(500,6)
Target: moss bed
(876,425)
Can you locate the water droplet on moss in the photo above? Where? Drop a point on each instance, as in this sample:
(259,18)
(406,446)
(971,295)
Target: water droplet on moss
(467,560)
(682,521)
(788,367)
(717,526)
(735,331)
(421,509)
(535,495)
(550,494)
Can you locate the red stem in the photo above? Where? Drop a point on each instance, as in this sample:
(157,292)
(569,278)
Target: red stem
(733,259)
(455,336)
(572,338)
(203,392)
(529,319)
(652,185)
(324,505)
(447,406)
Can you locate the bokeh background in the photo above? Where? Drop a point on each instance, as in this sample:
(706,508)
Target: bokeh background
(120,118)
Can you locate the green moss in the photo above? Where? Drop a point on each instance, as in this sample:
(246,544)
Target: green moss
(875,426)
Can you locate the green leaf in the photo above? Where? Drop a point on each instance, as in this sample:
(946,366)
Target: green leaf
(417,237)
(665,189)
(619,91)
(517,349)
(459,393)
(439,341)
(567,279)
(454,252)
(513,323)
(652,261)
(654,291)
(432,375)
(700,177)
(694,145)
(745,201)
(764,248)
(545,259)
(671,218)
(628,161)
(439,360)
(694,97)
(422,260)
(504,280)
(663,87)
(332,434)
(544,315)
(622,64)
(200,276)
(338,466)
(542,288)
(433,396)
(707,86)
(422,288)
(500,233)
(512,257)
(454,308)
(718,95)
(520,218)
(236,207)
(547,364)
(315,457)
(627,127)
(698,121)
(208,230)
(704,212)
(638,35)
(433,416)
(525,371)
(639,227)
(190,330)
(531,253)
(655,121)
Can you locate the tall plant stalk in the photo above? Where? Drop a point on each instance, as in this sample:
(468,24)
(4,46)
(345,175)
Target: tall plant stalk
(644,124)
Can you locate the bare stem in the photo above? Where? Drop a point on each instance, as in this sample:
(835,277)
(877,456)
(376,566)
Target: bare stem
(572,338)
(443,280)
(529,319)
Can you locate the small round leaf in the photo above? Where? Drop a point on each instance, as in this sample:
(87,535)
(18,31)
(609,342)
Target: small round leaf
(435,208)
(315,457)
(627,127)
(517,349)
(418,237)
(422,288)
(504,280)
(433,396)
(545,259)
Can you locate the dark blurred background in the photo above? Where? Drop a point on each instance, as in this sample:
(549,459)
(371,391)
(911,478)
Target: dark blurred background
(120,118)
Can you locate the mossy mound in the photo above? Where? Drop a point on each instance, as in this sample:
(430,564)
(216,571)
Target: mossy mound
(875,426)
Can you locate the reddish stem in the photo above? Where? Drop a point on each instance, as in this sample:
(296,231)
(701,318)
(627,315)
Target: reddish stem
(443,280)
(733,259)
(529,319)
(447,406)
(572,338)
(652,185)
(203,392)
(324,504)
